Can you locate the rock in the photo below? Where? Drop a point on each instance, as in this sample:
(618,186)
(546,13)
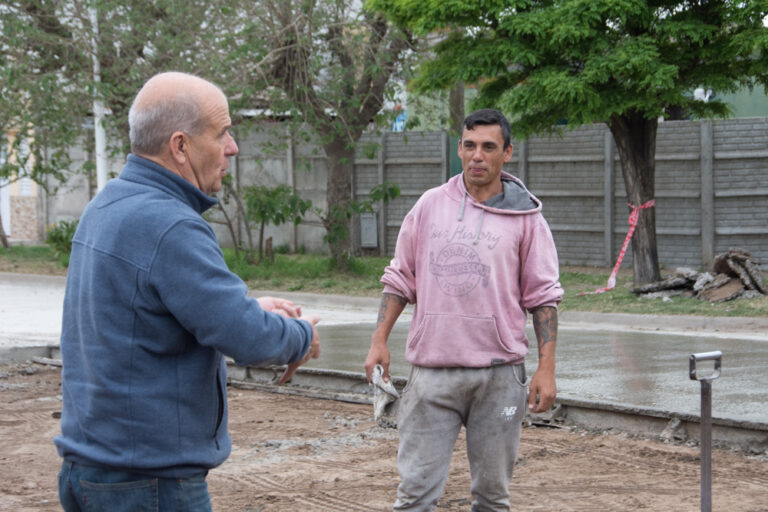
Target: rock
(662,294)
(674,431)
(728,291)
(704,279)
(736,275)
(670,283)
(739,263)
(687,273)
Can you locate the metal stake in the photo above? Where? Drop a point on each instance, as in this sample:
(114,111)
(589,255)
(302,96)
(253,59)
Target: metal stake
(705,429)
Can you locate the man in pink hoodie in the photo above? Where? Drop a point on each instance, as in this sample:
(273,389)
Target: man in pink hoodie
(474,255)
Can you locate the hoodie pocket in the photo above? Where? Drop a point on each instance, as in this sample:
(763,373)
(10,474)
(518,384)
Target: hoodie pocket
(445,340)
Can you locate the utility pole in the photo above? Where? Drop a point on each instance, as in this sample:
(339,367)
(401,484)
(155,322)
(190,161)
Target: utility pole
(100,138)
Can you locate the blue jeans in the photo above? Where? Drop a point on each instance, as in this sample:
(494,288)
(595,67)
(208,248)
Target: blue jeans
(91,489)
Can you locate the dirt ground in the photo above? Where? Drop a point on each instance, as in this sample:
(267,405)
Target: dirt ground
(301,454)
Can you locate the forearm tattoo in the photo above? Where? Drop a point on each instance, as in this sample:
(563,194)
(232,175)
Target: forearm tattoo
(387,299)
(545,325)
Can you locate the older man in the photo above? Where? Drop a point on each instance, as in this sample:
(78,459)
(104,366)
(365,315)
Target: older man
(150,311)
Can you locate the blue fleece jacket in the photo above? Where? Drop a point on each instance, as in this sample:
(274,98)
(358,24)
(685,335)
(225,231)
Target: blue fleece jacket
(150,309)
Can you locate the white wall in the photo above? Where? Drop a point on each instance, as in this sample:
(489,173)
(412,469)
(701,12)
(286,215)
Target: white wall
(5,207)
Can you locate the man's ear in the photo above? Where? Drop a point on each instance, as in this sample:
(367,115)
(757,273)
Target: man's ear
(177,147)
(508,153)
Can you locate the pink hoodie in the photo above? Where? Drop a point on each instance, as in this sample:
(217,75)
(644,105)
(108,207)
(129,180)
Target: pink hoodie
(473,270)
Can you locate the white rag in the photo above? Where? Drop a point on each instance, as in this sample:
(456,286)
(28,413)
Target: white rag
(384,396)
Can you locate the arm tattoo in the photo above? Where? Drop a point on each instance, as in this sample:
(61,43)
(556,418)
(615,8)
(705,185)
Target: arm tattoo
(386,300)
(545,324)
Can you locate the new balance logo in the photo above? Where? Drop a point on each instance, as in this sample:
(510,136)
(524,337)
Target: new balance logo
(508,412)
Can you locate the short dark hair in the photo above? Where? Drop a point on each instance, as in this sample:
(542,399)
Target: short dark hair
(489,116)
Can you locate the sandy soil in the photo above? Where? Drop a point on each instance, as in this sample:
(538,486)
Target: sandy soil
(299,454)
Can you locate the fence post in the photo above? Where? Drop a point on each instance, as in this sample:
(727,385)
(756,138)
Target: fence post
(707,195)
(609,182)
(381,177)
(290,167)
(522,162)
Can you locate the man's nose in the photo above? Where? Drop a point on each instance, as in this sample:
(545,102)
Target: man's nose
(231,149)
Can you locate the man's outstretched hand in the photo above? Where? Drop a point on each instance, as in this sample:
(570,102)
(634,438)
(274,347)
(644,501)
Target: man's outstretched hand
(283,307)
(312,353)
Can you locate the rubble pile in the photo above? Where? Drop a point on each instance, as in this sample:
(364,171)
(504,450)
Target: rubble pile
(735,275)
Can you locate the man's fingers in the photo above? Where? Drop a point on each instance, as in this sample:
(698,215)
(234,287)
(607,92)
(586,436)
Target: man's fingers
(283,307)
(289,372)
(287,307)
(532,400)
(539,403)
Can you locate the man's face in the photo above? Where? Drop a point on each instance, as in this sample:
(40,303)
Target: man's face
(209,152)
(482,156)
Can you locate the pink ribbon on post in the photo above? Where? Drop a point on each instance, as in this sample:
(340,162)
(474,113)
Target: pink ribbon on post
(634,215)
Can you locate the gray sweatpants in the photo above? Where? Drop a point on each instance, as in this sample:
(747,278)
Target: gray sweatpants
(489,402)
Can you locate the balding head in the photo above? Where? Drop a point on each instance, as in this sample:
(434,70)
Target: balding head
(169,102)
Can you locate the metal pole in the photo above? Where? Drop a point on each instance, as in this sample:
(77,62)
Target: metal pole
(100,137)
(705,429)
(706,446)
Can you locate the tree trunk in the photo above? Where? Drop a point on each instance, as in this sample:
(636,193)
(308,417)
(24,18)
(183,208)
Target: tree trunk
(456,107)
(635,138)
(228,223)
(3,238)
(338,196)
(261,240)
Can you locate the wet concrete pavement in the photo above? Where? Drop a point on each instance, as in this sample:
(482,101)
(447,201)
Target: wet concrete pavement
(30,310)
(626,360)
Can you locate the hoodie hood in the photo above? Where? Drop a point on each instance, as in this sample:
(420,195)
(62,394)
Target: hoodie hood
(514,199)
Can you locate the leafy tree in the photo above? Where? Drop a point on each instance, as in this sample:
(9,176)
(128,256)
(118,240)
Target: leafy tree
(47,83)
(35,64)
(273,205)
(622,62)
(326,65)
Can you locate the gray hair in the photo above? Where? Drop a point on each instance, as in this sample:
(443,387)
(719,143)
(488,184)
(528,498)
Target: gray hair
(151,126)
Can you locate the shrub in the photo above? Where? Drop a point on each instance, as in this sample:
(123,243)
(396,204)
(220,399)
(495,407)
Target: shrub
(59,239)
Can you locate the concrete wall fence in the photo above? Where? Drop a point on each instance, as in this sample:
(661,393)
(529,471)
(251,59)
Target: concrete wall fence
(711,188)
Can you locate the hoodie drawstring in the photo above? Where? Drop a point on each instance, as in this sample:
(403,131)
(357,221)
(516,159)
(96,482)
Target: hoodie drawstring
(479,227)
(479,224)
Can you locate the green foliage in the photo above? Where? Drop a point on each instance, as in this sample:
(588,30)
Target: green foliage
(337,217)
(30,259)
(276,205)
(310,273)
(327,64)
(622,62)
(47,83)
(589,60)
(59,238)
(622,300)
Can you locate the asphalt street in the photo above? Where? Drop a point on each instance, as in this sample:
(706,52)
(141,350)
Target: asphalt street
(630,360)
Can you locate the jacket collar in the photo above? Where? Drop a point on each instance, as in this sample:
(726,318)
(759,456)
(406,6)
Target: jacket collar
(147,172)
